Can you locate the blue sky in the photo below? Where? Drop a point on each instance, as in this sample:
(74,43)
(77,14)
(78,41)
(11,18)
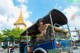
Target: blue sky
(40,8)
(35,9)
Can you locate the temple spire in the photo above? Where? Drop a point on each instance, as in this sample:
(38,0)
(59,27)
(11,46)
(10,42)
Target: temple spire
(20,20)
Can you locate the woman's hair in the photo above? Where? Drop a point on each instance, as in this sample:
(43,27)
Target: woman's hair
(40,20)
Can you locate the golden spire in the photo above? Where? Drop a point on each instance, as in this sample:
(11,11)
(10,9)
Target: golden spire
(20,20)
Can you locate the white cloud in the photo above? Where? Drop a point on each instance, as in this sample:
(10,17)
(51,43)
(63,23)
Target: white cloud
(28,23)
(69,12)
(25,14)
(9,13)
(3,19)
(22,1)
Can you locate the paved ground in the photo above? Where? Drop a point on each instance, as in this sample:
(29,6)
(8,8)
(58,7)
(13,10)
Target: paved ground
(17,50)
(76,50)
(6,50)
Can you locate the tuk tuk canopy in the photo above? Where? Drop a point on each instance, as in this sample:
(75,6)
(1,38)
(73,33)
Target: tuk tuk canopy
(57,17)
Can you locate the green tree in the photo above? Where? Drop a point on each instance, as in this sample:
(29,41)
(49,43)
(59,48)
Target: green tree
(12,33)
(2,37)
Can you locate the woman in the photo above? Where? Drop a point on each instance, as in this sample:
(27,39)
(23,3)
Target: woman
(42,28)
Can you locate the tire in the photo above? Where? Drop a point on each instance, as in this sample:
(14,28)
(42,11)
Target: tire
(40,50)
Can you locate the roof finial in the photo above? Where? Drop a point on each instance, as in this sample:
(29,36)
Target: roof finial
(20,20)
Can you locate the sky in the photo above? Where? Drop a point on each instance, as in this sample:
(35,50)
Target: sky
(35,9)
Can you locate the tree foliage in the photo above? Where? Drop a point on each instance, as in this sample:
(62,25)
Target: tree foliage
(11,34)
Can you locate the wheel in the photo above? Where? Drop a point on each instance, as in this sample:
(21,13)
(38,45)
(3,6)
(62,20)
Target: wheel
(40,50)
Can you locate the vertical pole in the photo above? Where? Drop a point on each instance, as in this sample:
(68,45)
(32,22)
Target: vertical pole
(27,39)
(52,25)
(54,42)
(77,32)
(14,42)
(69,30)
(2,43)
(8,43)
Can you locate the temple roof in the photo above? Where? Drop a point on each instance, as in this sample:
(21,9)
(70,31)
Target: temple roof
(20,20)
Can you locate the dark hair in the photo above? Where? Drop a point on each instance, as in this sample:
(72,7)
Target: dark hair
(40,20)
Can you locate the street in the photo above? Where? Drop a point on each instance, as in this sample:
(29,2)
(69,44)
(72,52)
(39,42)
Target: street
(17,50)
(6,50)
(76,50)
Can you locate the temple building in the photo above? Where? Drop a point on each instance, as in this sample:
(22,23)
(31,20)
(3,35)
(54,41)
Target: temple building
(20,21)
